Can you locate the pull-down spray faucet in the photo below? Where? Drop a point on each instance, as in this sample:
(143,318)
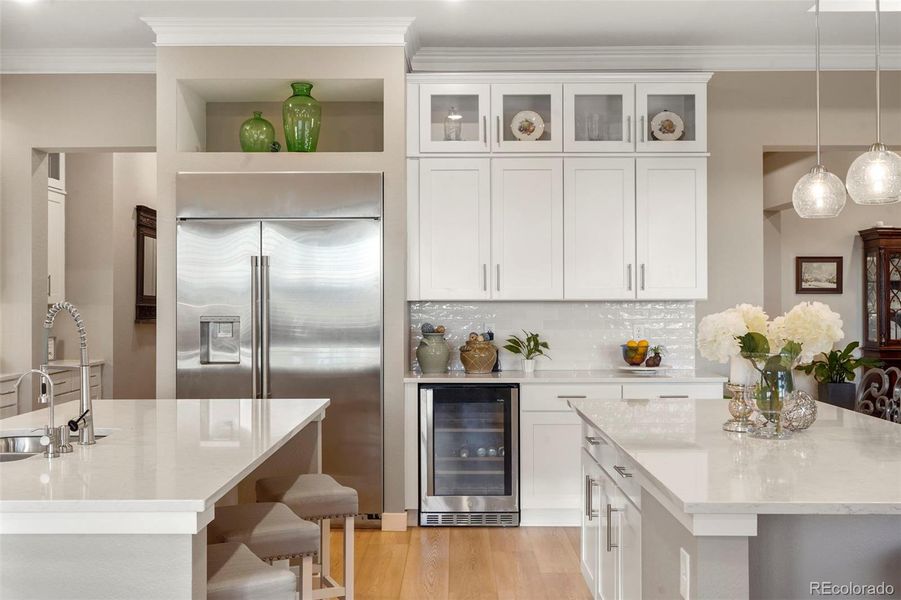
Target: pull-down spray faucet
(86,430)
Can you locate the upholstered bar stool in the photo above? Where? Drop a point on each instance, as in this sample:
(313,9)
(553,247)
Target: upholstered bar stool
(236,573)
(318,497)
(273,532)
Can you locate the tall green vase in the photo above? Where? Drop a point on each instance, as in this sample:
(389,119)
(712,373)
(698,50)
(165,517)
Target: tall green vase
(302,116)
(256,134)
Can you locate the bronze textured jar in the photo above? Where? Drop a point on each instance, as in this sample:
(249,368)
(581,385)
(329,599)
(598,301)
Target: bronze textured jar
(478,357)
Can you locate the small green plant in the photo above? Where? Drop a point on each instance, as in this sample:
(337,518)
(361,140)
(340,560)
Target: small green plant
(838,366)
(528,348)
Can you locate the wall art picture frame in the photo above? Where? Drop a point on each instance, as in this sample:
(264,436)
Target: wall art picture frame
(819,275)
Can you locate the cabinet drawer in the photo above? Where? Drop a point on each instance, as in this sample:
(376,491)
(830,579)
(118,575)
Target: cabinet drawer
(8,386)
(619,468)
(553,397)
(8,399)
(641,391)
(67,396)
(95,392)
(8,411)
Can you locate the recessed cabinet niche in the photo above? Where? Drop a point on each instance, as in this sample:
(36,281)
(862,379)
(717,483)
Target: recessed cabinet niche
(608,211)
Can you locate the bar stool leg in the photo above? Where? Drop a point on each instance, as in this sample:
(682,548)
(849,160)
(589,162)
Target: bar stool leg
(325,555)
(306,578)
(348,558)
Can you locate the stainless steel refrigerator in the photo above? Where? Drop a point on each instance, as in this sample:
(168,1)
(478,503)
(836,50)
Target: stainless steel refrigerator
(279,285)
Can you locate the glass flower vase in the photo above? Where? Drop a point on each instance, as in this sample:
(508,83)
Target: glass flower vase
(256,134)
(772,393)
(302,116)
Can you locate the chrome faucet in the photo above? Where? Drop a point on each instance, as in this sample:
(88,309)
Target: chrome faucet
(51,439)
(86,430)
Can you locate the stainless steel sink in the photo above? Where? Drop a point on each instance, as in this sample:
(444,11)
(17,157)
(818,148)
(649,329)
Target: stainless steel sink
(18,447)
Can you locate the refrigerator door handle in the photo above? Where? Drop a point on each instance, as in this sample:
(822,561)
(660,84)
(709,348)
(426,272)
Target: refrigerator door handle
(264,318)
(255,324)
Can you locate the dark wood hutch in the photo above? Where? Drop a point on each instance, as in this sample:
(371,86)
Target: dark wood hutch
(882,294)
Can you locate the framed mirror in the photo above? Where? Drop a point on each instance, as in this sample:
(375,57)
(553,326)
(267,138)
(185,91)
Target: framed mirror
(145,265)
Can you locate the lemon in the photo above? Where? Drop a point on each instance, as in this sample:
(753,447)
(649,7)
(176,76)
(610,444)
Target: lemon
(643,344)
(632,344)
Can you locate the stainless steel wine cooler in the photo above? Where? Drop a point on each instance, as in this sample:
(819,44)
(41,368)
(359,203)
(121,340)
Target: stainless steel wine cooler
(469,454)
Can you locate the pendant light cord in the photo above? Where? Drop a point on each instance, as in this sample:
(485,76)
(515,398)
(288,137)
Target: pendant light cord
(878,119)
(817,17)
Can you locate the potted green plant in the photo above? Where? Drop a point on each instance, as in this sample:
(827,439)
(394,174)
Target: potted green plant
(834,372)
(527,348)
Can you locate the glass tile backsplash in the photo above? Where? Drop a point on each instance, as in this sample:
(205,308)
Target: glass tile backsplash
(582,335)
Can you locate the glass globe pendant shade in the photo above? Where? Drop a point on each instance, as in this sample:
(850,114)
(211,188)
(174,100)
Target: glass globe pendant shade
(875,177)
(819,194)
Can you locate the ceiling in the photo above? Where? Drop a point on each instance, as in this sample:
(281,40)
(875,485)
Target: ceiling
(466,24)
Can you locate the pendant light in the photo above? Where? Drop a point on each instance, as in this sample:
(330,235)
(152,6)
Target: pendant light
(819,194)
(875,176)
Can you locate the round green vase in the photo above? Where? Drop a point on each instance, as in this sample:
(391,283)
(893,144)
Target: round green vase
(256,134)
(302,116)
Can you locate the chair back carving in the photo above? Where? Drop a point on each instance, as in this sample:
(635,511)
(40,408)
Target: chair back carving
(879,394)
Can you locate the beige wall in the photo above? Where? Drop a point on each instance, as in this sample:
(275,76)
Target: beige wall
(103,190)
(818,237)
(51,112)
(289,63)
(754,112)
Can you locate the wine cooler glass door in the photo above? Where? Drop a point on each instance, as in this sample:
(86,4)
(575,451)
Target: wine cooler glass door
(470,455)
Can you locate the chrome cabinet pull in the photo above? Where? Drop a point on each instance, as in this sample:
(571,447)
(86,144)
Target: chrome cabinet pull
(593,440)
(622,471)
(588,497)
(485,129)
(610,511)
(573,396)
(264,333)
(629,129)
(642,128)
(255,324)
(498,132)
(629,275)
(498,280)
(642,276)
(675,396)
(49,285)
(484,277)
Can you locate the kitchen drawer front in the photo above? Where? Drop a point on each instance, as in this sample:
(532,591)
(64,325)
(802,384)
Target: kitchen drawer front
(62,382)
(620,469)
(67,396)
(95,392)
(7,386)
(641,391)
(8,399)
(553,397)
(8,411)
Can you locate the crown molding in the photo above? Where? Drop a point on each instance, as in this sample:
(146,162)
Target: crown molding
(77,60)
(270,31)
(653,58)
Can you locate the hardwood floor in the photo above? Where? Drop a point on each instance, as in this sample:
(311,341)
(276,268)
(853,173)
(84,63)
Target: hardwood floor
(522,563)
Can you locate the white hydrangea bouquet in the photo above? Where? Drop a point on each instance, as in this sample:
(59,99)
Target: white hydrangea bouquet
(747,337)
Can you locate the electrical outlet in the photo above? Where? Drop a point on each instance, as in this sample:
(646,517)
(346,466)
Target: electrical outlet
(638,332)
(684,573)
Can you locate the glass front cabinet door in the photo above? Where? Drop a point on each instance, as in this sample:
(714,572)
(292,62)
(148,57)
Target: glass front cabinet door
(672,117)
(454,117)
(527,117)
(599,117)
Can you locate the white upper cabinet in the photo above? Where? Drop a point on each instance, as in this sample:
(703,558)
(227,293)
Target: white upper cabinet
(453,117)
(56,171)
(527,228)
(527,117)
(672,117)
(671,228)
(454,228)
(598,117)
(599,228)
(56,246)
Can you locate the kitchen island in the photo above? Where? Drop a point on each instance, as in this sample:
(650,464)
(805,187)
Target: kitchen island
(126,517)
(675,507)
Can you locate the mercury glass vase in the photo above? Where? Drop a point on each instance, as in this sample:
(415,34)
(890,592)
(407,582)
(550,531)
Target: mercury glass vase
(302,116)
(772,392)
(256,134)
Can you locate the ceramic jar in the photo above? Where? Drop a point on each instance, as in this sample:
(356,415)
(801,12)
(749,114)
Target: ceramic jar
(478,357)
(302,116)
(433,353)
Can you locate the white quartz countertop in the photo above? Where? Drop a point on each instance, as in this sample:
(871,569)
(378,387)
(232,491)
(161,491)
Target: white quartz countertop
(160,469)
(612,376)
(846,463)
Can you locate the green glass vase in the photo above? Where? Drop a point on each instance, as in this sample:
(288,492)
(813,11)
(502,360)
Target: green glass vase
(302,116)
(256,134)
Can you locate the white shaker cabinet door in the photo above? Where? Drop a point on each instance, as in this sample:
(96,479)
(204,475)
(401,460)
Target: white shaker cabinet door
(527,228)
(671,228)
(630,551)
(56,247)
(550,443)
(599,228)
(589,539)
(454,228)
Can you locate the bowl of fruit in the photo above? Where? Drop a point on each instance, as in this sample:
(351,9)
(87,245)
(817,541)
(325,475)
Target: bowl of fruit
(635,353)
